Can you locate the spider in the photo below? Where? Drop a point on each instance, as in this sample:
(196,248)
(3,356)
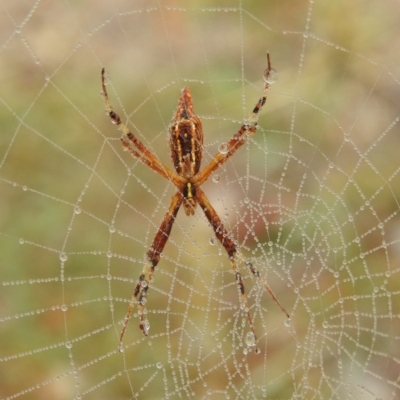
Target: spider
(186,146)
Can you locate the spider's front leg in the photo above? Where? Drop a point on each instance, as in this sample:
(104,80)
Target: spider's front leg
(135,147)
(248,128)
(153,257)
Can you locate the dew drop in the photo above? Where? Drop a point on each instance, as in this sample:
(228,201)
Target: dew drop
(250,339)
(145,325)
(159,365)
(143,300)
(68,345)
(63,257)
(223,148)
(77,210)
(212,241)
(216,178)
(111,228)
(270,76)
(106,77)
(288,322)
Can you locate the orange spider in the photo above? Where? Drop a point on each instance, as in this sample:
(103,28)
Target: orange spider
(186,145)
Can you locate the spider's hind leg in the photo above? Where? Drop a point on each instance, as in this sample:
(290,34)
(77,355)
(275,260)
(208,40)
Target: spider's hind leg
(139,295)
(230,247)
(255,272)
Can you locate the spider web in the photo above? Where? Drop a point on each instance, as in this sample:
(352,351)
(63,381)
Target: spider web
(312,200)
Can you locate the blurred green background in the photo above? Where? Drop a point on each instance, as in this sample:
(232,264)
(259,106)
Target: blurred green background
(312,199)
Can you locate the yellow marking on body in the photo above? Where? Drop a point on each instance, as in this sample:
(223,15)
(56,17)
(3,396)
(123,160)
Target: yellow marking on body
(189,194)
(193,154)
(179,149)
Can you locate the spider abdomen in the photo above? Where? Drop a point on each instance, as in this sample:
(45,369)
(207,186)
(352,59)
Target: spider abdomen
(186,137)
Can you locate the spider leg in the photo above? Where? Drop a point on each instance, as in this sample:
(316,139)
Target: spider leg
(230,247)
(153,257)
(135,146)
(255,272)
(248,128)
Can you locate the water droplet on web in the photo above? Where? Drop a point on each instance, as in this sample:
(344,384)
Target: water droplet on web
(212,241)
(145,325)
(250,339)
(106,77)
(63,257)
(21,241)
(77,210)
(111,228)
(159,365)
(216,178)
(68,345)
(143,300)
(270,76)
(64,308)
(223,148)
(288,322)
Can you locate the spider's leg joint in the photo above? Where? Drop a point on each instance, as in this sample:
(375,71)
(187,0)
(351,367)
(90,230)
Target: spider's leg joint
(115,119)
(240,284)
(145,326)
(253,270)
(142,299)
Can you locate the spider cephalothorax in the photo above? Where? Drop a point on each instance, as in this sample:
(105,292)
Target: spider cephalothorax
(186,145)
